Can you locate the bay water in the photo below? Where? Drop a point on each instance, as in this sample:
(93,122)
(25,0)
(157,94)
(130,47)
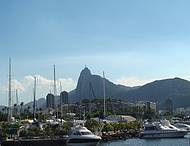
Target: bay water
(154,142)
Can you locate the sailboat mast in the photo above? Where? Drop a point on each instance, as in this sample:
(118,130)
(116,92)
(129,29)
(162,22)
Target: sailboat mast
(55,89)
(9,103)
(61,100)
(104,93)
(54,79)
(61,88)
(34,103)
(17,97)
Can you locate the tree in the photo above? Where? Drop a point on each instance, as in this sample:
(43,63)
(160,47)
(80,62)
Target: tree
(28,109)
(21,107)
(107,127)
(6,109)
(15,109)
(67,127)
(3,110)
(115,126)
(92,125)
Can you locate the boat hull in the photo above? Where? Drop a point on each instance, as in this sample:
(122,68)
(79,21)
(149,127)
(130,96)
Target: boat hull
(82,142)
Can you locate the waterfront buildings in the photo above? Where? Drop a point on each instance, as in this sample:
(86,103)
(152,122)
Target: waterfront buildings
(180,110)
(50,101)
(169,105)
(120,118)
(146,105)
(64,98)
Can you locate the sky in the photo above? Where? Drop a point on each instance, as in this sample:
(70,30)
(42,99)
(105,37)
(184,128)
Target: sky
(133,41)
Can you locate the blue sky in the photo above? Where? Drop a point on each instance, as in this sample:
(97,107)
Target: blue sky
(133,41)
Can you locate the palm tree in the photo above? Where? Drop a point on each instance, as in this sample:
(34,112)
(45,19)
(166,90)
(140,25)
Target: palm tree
(6,109)
(15,109)
(93,125)
(3,110)
(21,107)
(28,109)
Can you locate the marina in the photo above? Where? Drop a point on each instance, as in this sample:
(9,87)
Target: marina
(80,129)
(94,73)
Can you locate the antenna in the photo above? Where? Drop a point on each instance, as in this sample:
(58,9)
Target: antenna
(61,87)
(55,90)
(61,100)
(89,110)
(34,103)
(17,97)
(104,93)
(9,103)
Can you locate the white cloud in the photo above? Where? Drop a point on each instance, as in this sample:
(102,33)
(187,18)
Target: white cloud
(132,81)
(42,82)
(67,84)
(44,85)
(17,85)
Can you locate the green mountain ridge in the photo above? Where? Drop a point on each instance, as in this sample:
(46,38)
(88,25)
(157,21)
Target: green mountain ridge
(90,86)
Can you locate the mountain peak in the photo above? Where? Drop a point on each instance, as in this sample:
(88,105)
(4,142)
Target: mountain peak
(86,72)
(83,82)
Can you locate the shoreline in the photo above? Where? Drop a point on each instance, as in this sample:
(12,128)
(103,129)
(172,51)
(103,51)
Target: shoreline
(60,141)
(119,135)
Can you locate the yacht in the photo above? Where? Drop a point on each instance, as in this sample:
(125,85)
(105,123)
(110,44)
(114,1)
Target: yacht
(81,136)
(161,130)
(182,126)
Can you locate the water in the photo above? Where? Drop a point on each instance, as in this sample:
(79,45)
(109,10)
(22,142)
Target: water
(155,142)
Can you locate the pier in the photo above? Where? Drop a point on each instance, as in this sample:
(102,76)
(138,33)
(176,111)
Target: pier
(35,142)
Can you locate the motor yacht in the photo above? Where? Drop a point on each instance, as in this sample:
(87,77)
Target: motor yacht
(182,126)
(81,136)
(161,130)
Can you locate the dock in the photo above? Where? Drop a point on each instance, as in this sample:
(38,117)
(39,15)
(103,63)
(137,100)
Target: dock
(35,142)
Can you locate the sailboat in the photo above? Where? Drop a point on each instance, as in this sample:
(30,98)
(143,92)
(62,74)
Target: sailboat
(35,123)
(10,100)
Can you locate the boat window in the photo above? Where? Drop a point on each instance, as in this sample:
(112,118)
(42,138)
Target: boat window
(86,133)
(181,126)
(150,128)
(171,127)
(76,133)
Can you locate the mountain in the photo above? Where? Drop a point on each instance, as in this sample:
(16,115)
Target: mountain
(40,103)
(91,86)
(158,91)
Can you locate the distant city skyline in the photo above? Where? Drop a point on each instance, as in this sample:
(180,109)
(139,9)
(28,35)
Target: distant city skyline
(134,42)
